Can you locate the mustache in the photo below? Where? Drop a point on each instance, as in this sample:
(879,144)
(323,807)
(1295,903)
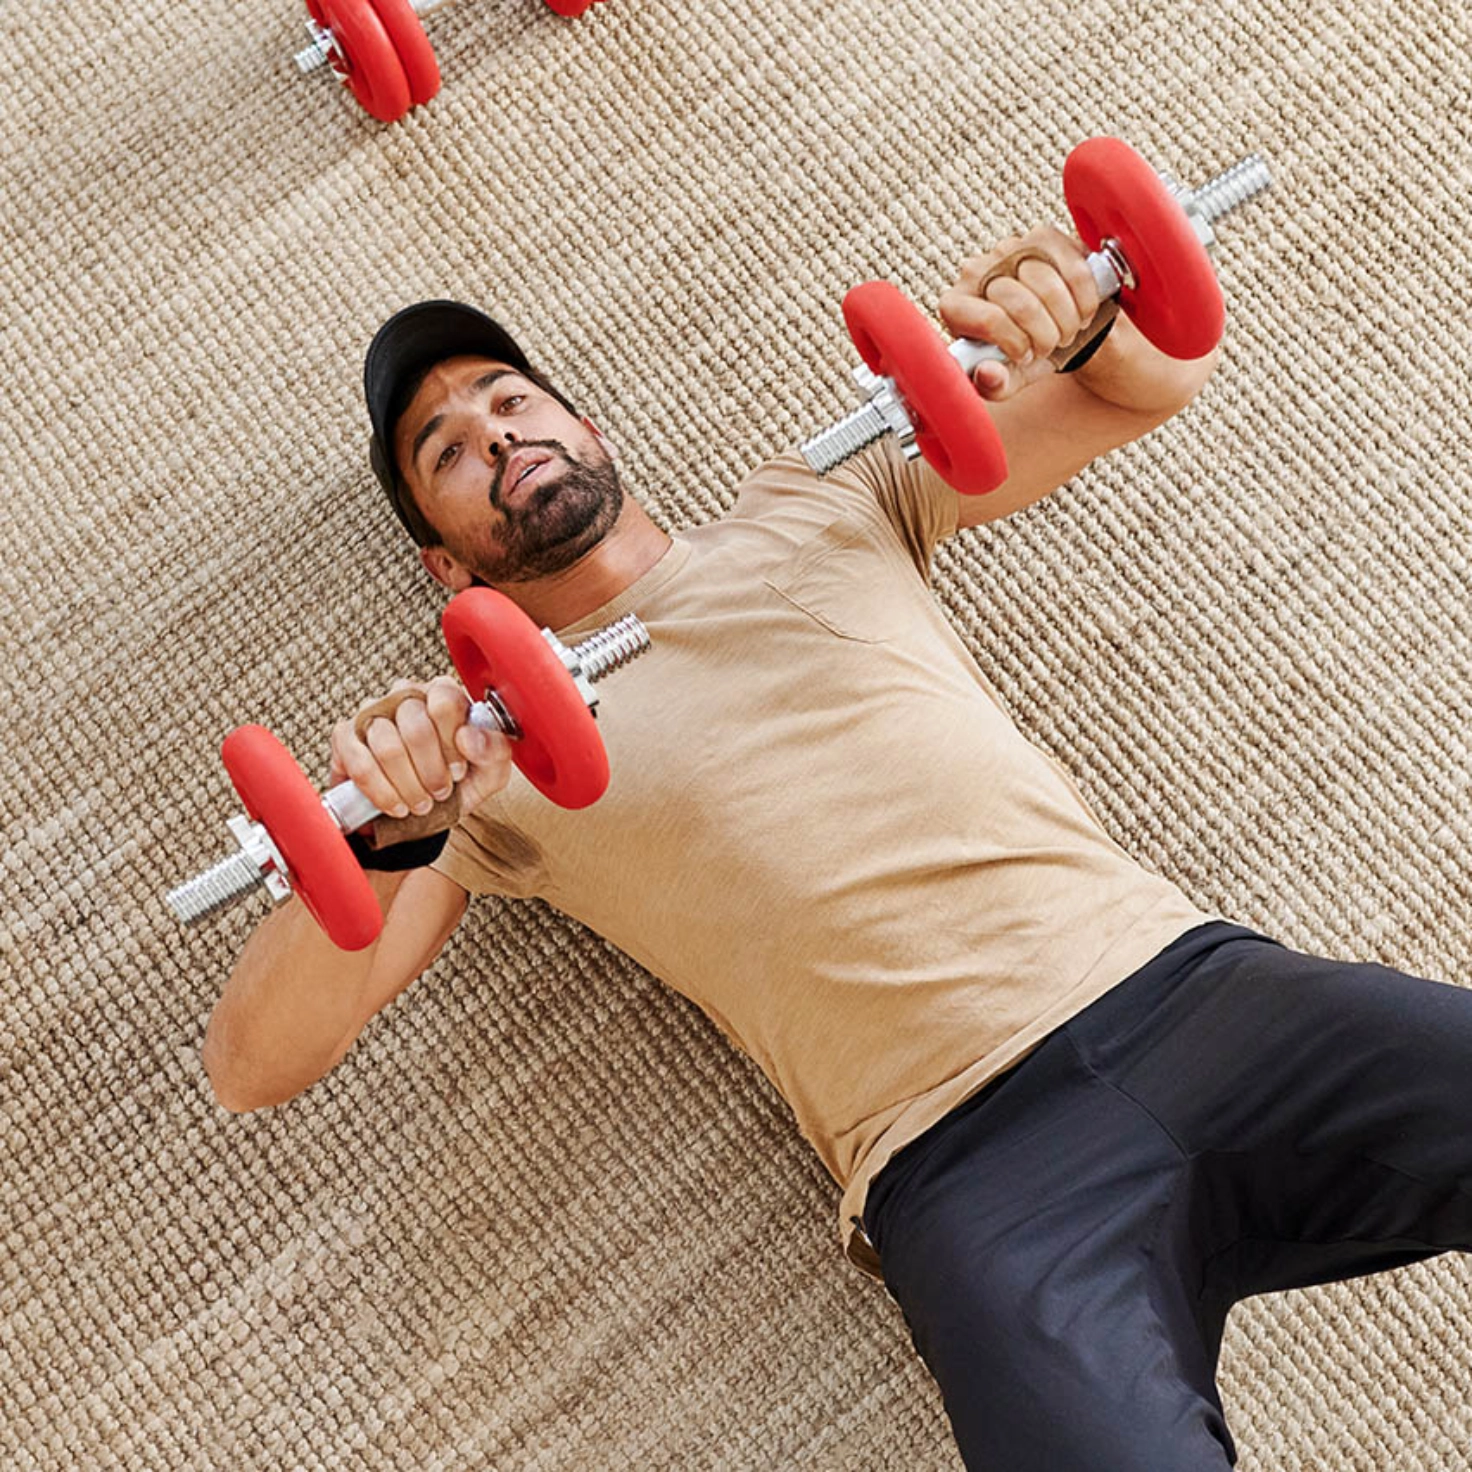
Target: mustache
(498,480)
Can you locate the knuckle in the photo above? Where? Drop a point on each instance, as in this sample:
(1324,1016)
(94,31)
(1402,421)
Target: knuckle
(363,770)
(1034,268)
(993,320)
(446,705)
(412,717)
(1064,249)
(998,288)
(382,737)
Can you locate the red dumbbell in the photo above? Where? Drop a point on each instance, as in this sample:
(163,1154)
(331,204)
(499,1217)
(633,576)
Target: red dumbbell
(1148,240)
(380,52)
(524,682)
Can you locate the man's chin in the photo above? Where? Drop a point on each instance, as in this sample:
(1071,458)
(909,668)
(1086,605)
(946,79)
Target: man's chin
(552,554)
(563,518)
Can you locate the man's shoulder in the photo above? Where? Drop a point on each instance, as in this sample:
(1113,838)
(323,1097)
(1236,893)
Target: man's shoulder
(877,487)
(786,486)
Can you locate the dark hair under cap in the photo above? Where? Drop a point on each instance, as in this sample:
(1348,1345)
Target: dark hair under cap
(403,350)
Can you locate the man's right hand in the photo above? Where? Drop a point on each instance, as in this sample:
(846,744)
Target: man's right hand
(407,763)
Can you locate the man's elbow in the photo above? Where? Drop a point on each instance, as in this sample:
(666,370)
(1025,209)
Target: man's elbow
(238,1090)
(233,1099)
(1197,372)
(231,1092)
(1173,389)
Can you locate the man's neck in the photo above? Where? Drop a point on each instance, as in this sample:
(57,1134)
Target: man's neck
(631,548)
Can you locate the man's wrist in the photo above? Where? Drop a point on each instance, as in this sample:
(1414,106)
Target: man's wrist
(1130,373)
(1084,354)
(416,853)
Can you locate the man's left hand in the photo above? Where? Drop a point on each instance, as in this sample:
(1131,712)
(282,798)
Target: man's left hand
(1042,303)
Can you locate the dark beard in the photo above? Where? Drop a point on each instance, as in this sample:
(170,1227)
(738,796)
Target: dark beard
(561,522)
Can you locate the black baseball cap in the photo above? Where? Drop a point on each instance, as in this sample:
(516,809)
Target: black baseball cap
(410,342)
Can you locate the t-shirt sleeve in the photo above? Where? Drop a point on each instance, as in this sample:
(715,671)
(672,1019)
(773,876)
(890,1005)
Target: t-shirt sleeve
(919,506)
(487,854)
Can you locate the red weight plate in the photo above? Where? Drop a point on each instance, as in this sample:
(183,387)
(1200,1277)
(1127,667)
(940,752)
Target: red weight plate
(320,866)
(374,73)
(570,8)
(496,646)
(415,54)
(953,428)
(1113,192)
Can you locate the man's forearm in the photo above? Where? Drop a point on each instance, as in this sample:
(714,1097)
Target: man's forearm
(289,1010)
(1129,372)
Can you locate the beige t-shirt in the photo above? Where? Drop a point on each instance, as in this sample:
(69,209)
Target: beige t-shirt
(821,826)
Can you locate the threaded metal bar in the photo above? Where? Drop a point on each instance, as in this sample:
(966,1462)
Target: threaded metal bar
(832,446)
(1234,187)
(215,888)
(309,58)
(609,649)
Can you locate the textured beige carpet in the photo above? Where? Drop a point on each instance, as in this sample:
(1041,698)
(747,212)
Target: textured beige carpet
(542,1217)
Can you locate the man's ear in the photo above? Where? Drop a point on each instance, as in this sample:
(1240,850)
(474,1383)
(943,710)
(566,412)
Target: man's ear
(609,447)
(444,569)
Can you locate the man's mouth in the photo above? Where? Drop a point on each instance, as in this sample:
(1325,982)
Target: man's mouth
(524,470)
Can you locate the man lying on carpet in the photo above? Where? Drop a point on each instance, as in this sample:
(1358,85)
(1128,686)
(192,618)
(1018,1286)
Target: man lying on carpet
(1074,1117)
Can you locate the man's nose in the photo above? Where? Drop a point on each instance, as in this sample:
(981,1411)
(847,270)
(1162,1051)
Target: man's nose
(498,438)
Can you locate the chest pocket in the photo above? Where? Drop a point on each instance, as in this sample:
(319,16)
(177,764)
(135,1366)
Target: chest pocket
(844,580)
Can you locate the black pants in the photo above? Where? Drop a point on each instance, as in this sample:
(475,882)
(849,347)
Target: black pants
(1235,1118)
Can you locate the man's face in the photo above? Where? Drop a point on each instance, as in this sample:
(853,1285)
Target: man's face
(516,486)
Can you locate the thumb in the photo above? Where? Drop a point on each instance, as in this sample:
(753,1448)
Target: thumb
(992,380)
(489,755)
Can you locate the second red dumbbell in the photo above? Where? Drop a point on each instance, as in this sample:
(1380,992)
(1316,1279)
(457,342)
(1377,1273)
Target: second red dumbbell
(524,682)
(379,50)
(1148,240)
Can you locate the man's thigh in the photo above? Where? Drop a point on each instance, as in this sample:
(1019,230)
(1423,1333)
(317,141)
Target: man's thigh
(1031,1246)
(1325,1106)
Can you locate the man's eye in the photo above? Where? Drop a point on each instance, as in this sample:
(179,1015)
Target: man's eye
(511,401)
(445,456)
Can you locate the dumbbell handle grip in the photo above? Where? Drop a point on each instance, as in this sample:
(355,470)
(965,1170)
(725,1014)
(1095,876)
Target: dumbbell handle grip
(587,662)
(352,808)
(971,354)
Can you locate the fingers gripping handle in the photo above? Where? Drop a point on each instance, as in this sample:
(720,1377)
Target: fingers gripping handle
(353,809)
(1108,270)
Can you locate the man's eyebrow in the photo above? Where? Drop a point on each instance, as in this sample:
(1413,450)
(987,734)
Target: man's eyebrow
(479,386)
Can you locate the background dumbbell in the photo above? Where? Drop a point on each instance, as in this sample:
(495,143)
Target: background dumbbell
(379,50)
(524,682)
(1148,240)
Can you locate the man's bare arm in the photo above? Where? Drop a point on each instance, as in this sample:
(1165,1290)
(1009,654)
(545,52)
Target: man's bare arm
(1053,425)
(295,1003)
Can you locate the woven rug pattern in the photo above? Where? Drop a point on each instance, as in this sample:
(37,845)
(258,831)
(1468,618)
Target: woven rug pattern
(542,1217)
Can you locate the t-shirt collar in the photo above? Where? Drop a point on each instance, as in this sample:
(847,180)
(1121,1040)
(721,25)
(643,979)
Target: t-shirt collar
(674,558)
